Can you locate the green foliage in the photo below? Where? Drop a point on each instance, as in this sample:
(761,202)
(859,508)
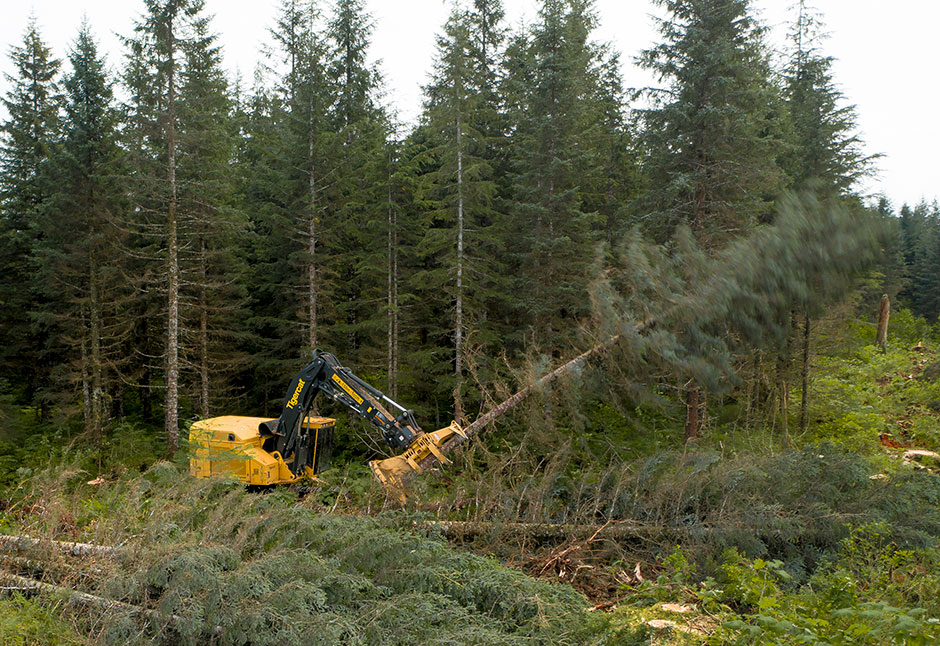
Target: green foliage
(712,134)
(24,622)
(210,559)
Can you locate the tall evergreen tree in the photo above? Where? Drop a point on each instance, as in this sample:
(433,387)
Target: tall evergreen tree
(289,164)
(825,152)
(156,60)
(32,105)
(550,89)
(78,256)
(210,267)
(710,138)
(354,221)
(459,242)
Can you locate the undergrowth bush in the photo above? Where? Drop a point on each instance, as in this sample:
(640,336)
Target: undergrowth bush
(24,622)
(219,565)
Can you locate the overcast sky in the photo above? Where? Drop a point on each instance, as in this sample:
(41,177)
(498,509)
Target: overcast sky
(886,58)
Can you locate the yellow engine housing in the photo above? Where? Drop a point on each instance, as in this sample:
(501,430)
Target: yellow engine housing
(233,446)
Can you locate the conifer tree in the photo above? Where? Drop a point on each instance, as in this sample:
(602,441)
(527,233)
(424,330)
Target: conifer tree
(32,105)
(290,166)
(77,254)
(459,188)
(156,60)
(210,267)
(825,154)
(710,138)
(354,220)
(550,89)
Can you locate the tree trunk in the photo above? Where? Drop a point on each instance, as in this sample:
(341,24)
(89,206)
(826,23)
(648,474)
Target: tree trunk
(86,387)
(171,414)
(804,404)
(885,313)
(692,420)
(203,333)
(97,387)
(783,393)
(392,295)
(458,326)
(312,245)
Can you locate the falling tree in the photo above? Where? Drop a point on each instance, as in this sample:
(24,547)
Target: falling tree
(825,155)
(709,137)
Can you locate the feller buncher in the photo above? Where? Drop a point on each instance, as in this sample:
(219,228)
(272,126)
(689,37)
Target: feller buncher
(262,452)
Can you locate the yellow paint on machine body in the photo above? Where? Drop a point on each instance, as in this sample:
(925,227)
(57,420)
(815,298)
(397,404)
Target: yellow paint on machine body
(232,446)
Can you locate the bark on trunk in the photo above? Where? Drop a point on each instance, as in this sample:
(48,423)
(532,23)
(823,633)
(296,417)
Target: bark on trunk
(691,411)
(392,295)
(203,333)
(312,287)
(882,339)
(86,387)
(171,413)
(97,387)
(804,404)
(783,393)
(458,323)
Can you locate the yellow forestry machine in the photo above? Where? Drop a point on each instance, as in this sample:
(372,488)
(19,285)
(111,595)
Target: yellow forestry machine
(262,452)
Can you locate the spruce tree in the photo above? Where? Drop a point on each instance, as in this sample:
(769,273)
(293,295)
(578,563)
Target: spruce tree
(550,90)
(825,152)
(459,190)
(354,219)
(32,105)
(290,168)
(210,266)
(156,60)
(710,137)
(78,256)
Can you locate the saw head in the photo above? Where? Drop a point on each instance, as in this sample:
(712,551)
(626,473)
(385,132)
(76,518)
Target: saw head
(391,471)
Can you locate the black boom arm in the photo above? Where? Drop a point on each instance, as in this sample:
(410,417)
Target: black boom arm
(325,374)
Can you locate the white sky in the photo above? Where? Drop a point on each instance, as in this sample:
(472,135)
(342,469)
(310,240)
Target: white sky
(886,55)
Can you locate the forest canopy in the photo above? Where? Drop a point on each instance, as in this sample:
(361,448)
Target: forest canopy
(175,244)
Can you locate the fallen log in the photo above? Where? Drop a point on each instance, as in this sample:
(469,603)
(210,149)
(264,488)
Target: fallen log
(16,543)
(541,531)
(16,583)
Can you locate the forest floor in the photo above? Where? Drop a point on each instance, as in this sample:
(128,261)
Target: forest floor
(735,539)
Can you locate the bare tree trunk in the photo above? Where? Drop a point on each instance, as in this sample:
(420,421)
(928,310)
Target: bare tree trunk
(97,389)
(885,313)
(691,411)
(458,327)
(86,386)
(203,333)
(783,393)
(312,287)
(171,414)
(392,300)
(804,404)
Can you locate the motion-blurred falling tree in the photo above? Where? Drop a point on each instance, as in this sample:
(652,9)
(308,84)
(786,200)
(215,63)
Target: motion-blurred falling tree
(705,309)
(711,135)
